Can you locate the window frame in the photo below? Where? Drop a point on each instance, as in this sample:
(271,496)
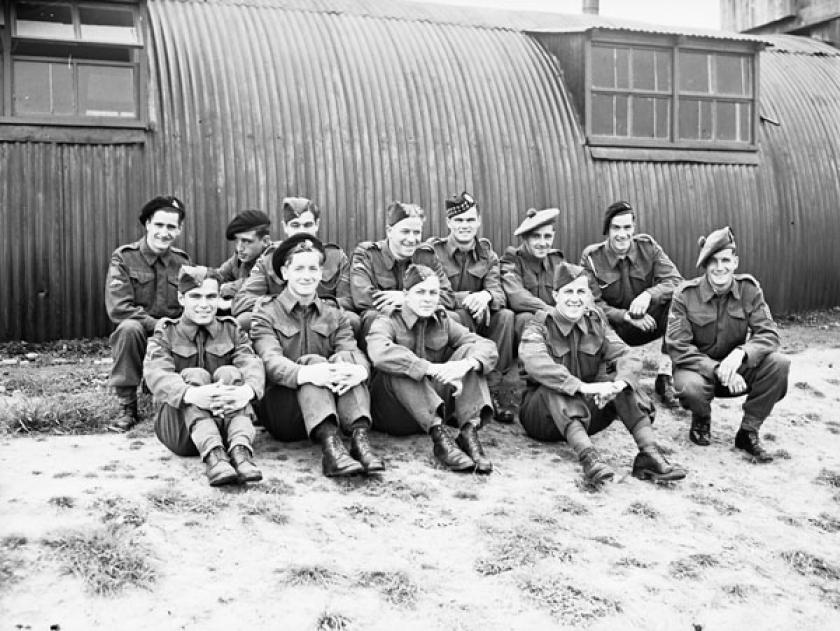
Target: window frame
(139,64)
(676,44)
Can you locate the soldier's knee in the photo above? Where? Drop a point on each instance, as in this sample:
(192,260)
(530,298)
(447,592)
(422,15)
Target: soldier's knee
(688,383)
(505,317)
(244,320)
(196,376)
(778,363)
(228,375)
(130,328)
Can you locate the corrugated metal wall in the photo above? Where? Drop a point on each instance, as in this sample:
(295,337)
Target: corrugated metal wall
(253,101)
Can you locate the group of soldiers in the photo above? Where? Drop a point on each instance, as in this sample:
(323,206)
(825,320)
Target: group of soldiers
(408,336)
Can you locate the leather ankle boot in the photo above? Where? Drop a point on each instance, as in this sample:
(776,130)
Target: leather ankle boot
(748,441)
(361,450)
(594,468)
(335,460)
(219,471)
(502,413)
(448,453)
(243,464)
(701,430)
(128,417)
(664,387)
(468,442)
(650,464)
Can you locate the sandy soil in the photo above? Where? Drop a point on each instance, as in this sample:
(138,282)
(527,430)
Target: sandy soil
(734,546)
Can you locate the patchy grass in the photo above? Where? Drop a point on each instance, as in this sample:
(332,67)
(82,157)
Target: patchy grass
(633,562)
(465,495)
(120,511)
(11,559)
(808,564)
(692,566)
(266,507)
(510,550)
(396,587)
(368,514)
(67,414)
(724,508)
(173,500)
(274,486)
(642,509)
(829,478)
(310,575)
(330,621)
(108,560)
(739,592)
(566,504)
(826,522)
(569,604)
(62,501)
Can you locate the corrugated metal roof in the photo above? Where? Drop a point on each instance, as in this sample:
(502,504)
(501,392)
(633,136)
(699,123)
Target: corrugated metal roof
(795,44)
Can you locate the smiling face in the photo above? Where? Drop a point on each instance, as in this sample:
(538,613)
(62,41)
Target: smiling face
(538,242)
(404,236)
(720,268)
(162,229)
(423,298)
(464,227)
(302,273)
(620,234)
(572,299)
(306,222)
(201,303)
(249,246)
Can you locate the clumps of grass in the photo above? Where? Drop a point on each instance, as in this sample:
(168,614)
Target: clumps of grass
(807,387)
(62,501)
(569,604)
(396,587)
(119,511)
(511,550)
(10,559)
(737,591)
(107,560)
(829,478)
(310,575)
(724,508)
(67,414)
(398,489)
(368,514)
(265,507)
(173,500)
(692,566)
(608,541)
(808,564)
(275,486)
(642,509)
(782,454)
(566,504)
(632,562)
(465,495)
(330,621)
(826,522)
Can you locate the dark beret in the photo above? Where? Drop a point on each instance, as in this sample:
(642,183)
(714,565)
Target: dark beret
(246,221)
(398,211)
(416,274)
(192,276)
(721,239)
(535,219)
(162,202)
(565,273)
(618,208)
(300,242)
(294,207)
(458,204)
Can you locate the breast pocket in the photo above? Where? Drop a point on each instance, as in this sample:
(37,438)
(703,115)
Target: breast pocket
(703,328)
(143,286)
(219,353)
(172,294)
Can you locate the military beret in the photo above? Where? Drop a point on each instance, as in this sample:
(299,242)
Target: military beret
(536,218)
(192,276)
(300,242)
(721,239)
(458,204)
(618,208)
(162,202)
(565,273)
(416,274)
(246,221)
(294,207)
(397,211)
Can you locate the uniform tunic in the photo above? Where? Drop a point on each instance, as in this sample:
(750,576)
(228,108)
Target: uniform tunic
(617,280)
(141,287)
(401,347)
(180,355)
(478,270)
(558,356)
(528,282)
(234,273)
(288,335)
(704,327)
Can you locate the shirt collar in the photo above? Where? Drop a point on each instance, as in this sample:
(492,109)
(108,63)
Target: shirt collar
(452,247)
(565,325)
(290,301)
(531,259)
(190,328)
(410,317)
(150,255)
(613,257)
(707,293)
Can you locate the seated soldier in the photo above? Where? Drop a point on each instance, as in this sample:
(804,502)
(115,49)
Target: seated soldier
(300,216)
(142,287)
(428,368)
(473,271)
(724,343)
(203,374)
(632,281)
(377,268)
(566,351)
(316,373)
(528,271)
(250,232)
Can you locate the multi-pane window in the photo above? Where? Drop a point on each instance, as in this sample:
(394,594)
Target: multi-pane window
(73,61)
(670,96)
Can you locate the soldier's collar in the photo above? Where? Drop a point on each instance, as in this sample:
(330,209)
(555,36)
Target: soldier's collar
(150,255)
(707,292)
(190,328)
(410,317)
(613,257)
(526,255)
(290,301)
(565,325)
(452,247)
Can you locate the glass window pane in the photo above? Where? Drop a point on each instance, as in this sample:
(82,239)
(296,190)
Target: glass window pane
(643,118)
(729,76)
(108,25)
(43,88)
(706,123)
(106,91)
(643,69)
(622,107)
(747,75)
(663,118)
(745,116)
(603,67)
(694,72)
(689,118)
(603,116)
(42,19)
(622,67)
(663,71)
(727,121)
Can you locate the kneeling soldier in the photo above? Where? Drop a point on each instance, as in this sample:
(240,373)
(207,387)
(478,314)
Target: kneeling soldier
(315,370)
(203,374)
(570,396)
(723,343)
(428,366)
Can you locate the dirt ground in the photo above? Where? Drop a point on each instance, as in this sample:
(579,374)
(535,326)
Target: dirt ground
(111,531)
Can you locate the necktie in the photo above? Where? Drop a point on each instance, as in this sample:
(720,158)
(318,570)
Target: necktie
(626,289)
(420,338)
(200,339)
(573,340)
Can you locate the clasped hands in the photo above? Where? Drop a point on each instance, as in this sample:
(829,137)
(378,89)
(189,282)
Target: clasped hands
(637,314)
(338,377)
(219,399)
(452,373)
(602,392)
(477,304)
(727,372)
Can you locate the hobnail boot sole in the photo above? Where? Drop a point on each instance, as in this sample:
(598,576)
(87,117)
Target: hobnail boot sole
(653,476)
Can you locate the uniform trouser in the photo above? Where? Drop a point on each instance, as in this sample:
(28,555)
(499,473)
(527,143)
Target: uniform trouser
(244,320)
(128,347)
(290,414)
(499,329)
(634,336)
(545,413)
(192,431)
(766,385)
(403,406)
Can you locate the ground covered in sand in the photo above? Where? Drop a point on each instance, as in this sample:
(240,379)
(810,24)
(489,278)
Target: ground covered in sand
(111,531)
